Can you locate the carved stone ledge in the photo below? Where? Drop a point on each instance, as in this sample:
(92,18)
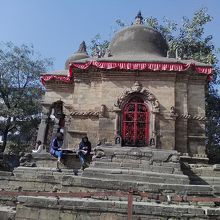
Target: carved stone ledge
(85,114)
(192,117)
(197,137)
(77,132)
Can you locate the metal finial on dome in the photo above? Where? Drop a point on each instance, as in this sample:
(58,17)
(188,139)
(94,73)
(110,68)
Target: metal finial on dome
(82,48)
(139,18)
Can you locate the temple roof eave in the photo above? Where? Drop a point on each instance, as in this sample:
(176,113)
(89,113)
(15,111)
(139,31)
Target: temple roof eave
(141,59)
(140,62)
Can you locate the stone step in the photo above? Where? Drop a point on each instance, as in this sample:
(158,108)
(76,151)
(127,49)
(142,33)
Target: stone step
(204,180)
(46,170)
(143,176)
(43,174)
(150,179)
(105,209)
(126,185)
(138,161)
(71,182)
(139,154)
(142,167)
(5,174)
(208,172)
(7,212)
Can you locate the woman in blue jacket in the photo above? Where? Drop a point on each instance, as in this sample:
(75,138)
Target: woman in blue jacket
(56,147)
(84,151)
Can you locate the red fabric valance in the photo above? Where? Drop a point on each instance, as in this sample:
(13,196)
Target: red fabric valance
(46,78)
(176,67)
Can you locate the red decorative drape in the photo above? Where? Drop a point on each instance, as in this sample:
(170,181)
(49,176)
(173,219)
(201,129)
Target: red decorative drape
(170,67)
(46,78)
(176,67)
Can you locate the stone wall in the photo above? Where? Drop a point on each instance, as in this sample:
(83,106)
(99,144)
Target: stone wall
(92,91)
(190,106)
(184,130)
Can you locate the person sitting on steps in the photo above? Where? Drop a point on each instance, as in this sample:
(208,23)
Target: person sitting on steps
(56,148)
(39,148)
(84,151)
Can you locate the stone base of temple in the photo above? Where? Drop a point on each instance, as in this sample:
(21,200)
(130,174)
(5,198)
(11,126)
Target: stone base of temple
(121,182)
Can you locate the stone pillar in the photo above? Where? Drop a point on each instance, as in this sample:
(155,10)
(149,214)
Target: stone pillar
(117,133)
(55,127)
(67,125)
(153,134)
(182,135)
(154,122)
(43,124)
(167,130)
(117,117)
(181,105)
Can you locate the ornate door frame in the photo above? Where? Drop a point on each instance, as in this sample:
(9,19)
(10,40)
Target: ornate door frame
(135,122)
(149,99)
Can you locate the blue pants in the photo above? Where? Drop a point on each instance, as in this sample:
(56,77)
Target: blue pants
(82,158)
(58,154)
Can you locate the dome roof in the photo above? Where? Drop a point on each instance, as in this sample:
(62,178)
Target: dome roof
(79,55)
(138,40)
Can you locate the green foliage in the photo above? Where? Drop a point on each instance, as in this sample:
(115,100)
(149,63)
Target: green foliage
(188,41)
(20,91)
(213,125)
(98,47)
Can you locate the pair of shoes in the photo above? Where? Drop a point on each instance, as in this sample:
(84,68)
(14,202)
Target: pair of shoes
(75,172)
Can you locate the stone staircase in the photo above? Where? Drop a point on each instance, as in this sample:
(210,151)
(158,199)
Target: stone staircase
(158,184)
(139,164)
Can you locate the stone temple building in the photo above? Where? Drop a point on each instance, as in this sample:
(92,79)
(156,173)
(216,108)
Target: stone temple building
(148,111)
(134,95)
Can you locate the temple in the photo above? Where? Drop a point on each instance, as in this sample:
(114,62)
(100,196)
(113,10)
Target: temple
(147,111)
(135,92)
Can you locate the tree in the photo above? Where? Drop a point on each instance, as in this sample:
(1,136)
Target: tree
(189,41)
(20,91)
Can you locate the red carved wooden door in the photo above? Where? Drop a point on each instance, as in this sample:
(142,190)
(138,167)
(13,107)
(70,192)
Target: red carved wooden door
(135,124)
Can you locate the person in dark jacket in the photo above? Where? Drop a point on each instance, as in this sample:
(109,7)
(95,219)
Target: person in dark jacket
(56,148)
(84,151)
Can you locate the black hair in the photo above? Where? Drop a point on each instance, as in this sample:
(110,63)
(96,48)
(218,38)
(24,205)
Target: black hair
(59,135)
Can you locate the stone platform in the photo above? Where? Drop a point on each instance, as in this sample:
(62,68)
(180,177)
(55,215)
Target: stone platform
(142,164)
(70,160)
(160,186)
